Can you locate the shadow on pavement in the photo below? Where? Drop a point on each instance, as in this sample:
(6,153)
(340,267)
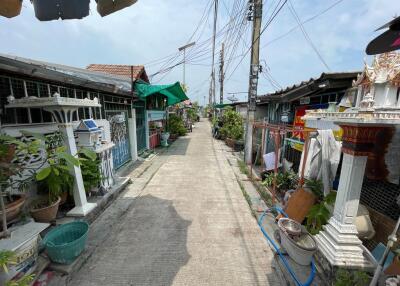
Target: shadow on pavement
(148,247)
(179,147)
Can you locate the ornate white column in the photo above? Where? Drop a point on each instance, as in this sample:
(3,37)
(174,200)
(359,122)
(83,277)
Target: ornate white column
(62,109)
(82,207)
(338,242)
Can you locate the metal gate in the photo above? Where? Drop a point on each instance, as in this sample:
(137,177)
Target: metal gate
(120,137)
(140,125)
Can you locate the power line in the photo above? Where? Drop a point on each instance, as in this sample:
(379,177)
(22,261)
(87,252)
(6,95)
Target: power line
(262,31)
(305,34)
(304,22)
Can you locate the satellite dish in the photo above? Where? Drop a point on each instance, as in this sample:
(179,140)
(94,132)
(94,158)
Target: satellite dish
(233,98)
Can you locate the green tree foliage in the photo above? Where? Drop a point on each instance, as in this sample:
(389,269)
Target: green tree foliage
(232,124)
(176,125)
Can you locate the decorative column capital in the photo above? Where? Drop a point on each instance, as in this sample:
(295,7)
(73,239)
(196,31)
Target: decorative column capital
(359,140)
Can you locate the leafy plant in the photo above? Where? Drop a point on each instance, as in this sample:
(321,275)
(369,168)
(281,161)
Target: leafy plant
(319,214)
(8,258)
(13,155)
(24,281)
(89,163)
(232,124)
(56,176)
(284,180)
(355,278)
(192,114)
(176,125)
(316,187)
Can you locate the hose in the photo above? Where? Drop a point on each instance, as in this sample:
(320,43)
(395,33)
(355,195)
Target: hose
(282,257)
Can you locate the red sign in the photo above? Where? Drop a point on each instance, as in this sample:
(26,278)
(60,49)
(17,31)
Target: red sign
(298,122)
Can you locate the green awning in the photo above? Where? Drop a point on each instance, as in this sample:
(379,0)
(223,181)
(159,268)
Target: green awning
(221,105)
(173,92)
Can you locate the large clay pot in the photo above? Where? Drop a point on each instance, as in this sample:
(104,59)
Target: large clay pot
(14,208)
(299,204)
(46,214)
(10,8)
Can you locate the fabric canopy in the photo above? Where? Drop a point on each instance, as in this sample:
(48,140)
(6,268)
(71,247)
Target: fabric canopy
(221,105)
(173,92)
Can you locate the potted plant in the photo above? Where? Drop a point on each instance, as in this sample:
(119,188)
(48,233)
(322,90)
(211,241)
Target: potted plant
(54,179)
(232,128)
(176,126)
(90,167)
(14,175)
(319,214)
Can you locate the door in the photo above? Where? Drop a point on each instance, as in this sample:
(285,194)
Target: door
(140,125)
(120,137)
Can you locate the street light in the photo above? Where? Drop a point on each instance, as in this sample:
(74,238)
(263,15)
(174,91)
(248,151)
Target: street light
(183,48)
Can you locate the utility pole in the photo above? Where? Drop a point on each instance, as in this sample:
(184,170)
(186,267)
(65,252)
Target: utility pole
(255,15)
(212,94)
(183,48)
(221,75)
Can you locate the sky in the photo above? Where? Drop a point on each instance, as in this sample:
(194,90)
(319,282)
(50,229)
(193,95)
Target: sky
(151,31)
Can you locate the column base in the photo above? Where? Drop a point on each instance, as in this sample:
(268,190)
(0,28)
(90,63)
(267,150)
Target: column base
(342,248)
(82,210)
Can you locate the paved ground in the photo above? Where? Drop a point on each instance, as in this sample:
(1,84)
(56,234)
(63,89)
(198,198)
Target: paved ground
(187,224)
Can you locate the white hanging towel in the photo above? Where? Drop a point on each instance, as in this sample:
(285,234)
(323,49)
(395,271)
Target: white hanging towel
(322,159)
(269,160)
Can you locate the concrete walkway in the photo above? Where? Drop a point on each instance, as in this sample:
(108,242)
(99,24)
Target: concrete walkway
(189,224)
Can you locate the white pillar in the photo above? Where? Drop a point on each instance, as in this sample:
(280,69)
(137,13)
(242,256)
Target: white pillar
(338,242)
(82,207)
(132,135)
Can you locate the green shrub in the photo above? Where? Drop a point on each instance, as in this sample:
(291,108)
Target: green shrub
(232,124)
(176,125)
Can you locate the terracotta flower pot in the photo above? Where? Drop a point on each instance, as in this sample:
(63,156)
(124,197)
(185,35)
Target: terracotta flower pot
(14,208)
(46,214)
(10,8)
(300,204)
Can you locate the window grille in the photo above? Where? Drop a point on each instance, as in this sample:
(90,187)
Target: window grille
(381,196)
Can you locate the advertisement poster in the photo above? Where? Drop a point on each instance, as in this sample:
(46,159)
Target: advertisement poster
(298,122)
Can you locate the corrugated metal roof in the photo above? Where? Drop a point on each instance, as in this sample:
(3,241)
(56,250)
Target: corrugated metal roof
(66,74)
(127,71)
(312,83)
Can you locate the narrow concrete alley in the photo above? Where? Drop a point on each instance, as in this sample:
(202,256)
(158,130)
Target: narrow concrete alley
(189,224)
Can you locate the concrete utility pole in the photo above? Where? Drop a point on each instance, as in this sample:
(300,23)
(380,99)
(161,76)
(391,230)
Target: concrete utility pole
(256,17)
(183,48)
(221,75)
(213,54)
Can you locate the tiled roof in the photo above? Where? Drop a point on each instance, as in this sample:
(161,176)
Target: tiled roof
(128,71)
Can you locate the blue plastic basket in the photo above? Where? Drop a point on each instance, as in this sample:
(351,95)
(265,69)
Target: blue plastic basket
(65,242)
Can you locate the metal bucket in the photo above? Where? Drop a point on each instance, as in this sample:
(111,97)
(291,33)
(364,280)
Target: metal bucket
(300,247)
